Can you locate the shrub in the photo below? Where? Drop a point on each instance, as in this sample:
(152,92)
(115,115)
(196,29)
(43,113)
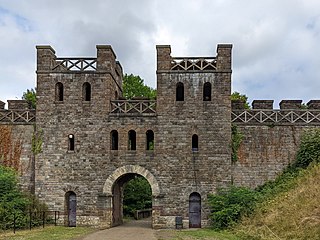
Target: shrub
(309,150)
(14,203)
(230,204)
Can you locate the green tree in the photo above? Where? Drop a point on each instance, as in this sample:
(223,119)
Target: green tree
(30,96)
(137,195)
(133,86)
(239,96)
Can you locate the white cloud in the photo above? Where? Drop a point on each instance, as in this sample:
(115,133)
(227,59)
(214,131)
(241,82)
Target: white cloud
(275,42)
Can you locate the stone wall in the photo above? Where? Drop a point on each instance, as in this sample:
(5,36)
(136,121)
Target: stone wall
(271,137)
(264,152)
(16,140)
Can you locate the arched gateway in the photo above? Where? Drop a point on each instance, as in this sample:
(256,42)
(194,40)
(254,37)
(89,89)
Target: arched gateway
(113,188)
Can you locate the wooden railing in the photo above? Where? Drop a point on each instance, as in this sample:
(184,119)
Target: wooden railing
(75,64)
(193,63)
(276,116)
(133,107)
(17,116)
(144,213)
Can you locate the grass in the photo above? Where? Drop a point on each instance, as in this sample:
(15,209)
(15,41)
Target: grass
(291,214)
(47,233)
(205,234)
(193,234)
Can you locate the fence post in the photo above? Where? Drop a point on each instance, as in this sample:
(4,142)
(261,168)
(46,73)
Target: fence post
(55,218)
(43,218)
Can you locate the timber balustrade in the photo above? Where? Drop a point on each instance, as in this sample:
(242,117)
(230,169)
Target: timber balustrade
(283,116)
(17,116)
(133,107)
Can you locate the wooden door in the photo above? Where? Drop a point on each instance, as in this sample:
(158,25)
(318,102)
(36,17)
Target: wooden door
(195,210)
(72,210)
(116,202)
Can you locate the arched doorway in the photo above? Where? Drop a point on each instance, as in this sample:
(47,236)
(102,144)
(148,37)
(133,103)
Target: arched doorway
(71,203)
(195,210)
(131,192)
(113,187)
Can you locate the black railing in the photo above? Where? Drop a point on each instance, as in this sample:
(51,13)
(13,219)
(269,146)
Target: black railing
(29,220)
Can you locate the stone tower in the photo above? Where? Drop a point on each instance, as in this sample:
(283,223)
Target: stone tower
(94,141)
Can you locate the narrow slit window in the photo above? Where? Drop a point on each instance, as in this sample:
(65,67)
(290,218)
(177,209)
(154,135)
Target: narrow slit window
(195,143)
(179,92)
(59,92)
(71,142)
(132,140)
(207,91)
(114,140)
(150,140)
(86,91)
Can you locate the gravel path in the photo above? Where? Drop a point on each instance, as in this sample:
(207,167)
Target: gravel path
(133,230)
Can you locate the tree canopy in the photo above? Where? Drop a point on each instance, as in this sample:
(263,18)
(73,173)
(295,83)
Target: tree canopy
(242,97)
(137,196)
(133,86)
(30,96)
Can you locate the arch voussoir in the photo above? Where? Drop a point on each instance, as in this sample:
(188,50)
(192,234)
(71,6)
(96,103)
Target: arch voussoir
(107,188)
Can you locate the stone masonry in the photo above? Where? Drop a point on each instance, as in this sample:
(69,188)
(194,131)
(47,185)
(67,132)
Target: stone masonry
(94,140)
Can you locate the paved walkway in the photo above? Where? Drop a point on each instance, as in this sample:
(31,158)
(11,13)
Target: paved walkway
(133,230)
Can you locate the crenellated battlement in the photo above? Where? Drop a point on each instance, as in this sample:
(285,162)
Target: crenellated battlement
(221,62)
(47,61)
(18,112)
(284,104)
(290,112)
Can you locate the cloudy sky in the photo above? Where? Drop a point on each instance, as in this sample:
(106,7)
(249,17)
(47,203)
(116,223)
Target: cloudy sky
(276,52)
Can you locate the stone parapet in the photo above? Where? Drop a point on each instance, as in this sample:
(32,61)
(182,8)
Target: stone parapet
(18,105)
(2,104)
(290,104)
(313,104)
(262,104)
(163,57)
(237,104)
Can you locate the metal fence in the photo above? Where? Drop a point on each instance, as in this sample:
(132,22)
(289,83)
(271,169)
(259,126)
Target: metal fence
(29,220)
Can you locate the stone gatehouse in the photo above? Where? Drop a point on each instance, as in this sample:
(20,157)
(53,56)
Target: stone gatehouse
(94,140)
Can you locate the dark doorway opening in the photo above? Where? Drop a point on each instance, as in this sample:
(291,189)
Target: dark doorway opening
(131,192)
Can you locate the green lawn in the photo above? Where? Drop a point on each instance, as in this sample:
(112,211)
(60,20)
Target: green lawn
(47,233)
(205,234)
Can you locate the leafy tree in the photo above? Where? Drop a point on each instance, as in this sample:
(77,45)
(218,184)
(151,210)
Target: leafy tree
(133,86)
(30,96)
(243,97)
(137,196)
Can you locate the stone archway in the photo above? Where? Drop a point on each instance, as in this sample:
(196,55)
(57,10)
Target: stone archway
(112,182)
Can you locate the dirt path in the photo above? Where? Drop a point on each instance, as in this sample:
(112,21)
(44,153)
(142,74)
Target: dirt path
(133,230)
